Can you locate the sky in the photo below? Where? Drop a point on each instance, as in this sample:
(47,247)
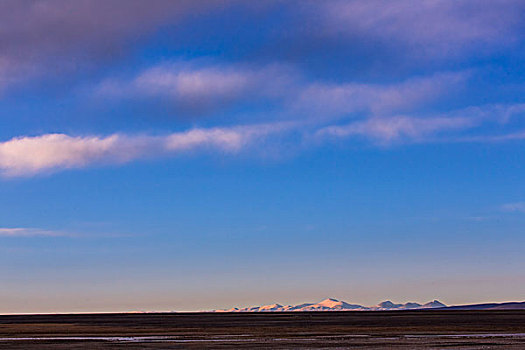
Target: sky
(196,155)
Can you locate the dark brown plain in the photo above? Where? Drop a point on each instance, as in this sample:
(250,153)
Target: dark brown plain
(422,329)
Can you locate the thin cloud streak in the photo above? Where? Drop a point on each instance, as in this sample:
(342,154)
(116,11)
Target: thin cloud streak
(201,88)
(337,100)
(25,156)
(387,130)
(215,87)
(407,128)
(514,207)
(30,232)
(31,155)
(514,136)
(431,27)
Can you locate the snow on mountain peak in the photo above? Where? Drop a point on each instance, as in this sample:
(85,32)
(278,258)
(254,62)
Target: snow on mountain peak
(411,305)
(388,305)
(433,304)
(331,304)
(272,307)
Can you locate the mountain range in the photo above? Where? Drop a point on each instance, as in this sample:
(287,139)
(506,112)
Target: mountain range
(331,304)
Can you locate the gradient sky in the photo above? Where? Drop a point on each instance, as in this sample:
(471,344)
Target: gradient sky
(190,155)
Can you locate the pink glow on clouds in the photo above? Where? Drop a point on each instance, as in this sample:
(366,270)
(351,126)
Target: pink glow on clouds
(23,156)
(385,130)
(30,155)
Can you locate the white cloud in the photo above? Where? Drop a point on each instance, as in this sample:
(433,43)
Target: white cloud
(226,139)
(31,155)
(27,155)
(28,232)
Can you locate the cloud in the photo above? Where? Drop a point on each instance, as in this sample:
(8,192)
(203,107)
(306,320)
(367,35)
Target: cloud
(41,38)
(201,88)
(436,27)
(407,128)
(206,88)
(29,232)
(504,137)
(342,99)
(25,156)
(386,130)
(45,37)
(31,155)
(501,113)
(514,207)
(225,139)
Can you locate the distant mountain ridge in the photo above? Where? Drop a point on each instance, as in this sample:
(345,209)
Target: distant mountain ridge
(490,306)
(331,304)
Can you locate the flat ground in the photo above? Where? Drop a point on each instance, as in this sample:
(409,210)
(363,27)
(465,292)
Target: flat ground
(370,330)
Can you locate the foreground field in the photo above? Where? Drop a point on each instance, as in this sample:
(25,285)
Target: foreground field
(371,330)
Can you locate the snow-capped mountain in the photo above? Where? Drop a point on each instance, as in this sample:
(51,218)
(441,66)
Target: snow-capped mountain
(432,304)
(388,305)
(331,304)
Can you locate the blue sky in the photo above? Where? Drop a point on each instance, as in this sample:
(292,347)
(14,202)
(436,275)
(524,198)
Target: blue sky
(161,155)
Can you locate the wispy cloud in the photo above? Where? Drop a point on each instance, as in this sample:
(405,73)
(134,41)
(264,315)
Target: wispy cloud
(29,232)
(23,156)
(514,207)
(386,130)
(42,38)
(30,155)
(203,88)
(197,88)
(327,101)
(510,136)
(437,27)
(409,128)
